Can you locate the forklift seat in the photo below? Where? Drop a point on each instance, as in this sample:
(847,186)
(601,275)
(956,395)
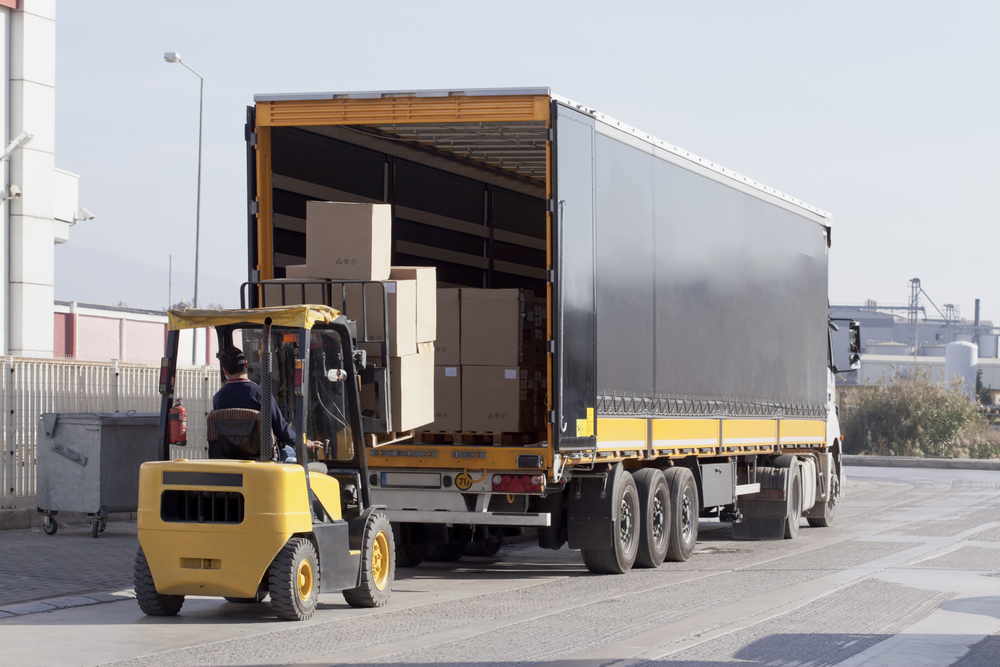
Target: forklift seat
(234,433)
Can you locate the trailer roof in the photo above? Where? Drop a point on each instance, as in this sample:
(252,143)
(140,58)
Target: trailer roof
(530,168)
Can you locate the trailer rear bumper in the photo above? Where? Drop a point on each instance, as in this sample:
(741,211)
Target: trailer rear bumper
(538,520)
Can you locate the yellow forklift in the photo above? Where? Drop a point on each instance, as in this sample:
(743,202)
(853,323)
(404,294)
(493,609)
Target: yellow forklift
(243,525)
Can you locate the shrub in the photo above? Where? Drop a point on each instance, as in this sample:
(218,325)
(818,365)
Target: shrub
(916,417)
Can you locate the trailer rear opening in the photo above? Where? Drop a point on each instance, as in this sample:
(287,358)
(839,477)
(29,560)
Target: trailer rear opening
(687,319)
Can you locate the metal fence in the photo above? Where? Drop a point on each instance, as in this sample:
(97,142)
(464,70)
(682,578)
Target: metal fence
(29,387)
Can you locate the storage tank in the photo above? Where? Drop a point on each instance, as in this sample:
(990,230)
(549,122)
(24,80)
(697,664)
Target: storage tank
(931,351)
(987,345)
(960,359)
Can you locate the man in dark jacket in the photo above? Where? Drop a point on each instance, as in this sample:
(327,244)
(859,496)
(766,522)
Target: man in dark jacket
(240,392)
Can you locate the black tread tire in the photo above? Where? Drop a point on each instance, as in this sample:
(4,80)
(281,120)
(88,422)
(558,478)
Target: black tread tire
(451,551)
(829,512)
(411,544)
(367,594)
(684,510)
(150,602)
(652,486)
(486,541)
(50,525)
(620,558)
(95,528)
(793,518)
(282,578)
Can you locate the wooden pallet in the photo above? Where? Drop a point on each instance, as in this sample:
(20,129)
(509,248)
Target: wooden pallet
(381,439)
(494,438)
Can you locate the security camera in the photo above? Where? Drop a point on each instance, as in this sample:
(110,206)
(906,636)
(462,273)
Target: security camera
(20,140)
(13,192)
(85,214)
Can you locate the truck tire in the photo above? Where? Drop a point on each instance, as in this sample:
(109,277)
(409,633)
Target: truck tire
(625,531)
(293,580)
(684,512)
(654,517)
(794,516)
(452,550)
(827,513)
(411,544)
(378,565)
(151,602)
(486,541)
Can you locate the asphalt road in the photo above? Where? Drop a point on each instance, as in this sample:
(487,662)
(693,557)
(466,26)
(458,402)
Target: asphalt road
(909,575)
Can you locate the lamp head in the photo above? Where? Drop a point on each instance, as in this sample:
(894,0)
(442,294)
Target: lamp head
(172,57)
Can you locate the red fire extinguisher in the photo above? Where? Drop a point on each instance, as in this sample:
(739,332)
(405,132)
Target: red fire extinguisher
(178,419)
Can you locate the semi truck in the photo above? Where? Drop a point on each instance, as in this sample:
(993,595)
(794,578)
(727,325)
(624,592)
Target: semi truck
(690,353)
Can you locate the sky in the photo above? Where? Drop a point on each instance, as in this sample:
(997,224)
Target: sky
(885,114)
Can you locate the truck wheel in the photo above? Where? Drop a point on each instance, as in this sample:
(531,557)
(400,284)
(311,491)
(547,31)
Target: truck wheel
(654,517)
(625,531)
(411,545)
(486,541)
(794,516)
(683,533)
(829,509)
(378,565)
(293,580)
(151,602)
(452,550)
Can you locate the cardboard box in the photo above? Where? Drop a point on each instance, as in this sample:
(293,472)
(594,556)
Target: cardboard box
(402,304)
(293,293)
(502,327)
(447,345)
(499,399)
(447,399)
(298,271)
(411,394)
(347,241)
(426,279)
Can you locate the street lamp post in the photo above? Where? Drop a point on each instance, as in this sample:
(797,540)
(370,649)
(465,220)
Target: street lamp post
(174,57)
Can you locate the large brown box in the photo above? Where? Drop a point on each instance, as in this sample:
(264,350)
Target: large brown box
(447,345)
(500,399)
(447,399)
(347,241)
(401,298)
(411,399)
(297,271)
(426,280)
(497,330)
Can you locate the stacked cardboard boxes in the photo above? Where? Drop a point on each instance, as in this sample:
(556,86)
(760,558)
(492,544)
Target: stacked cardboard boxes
(491,361)
(352,242)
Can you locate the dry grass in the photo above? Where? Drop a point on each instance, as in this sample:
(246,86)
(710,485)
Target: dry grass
(916,417)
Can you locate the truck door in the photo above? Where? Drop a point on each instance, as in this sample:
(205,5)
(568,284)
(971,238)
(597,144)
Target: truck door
(574,314)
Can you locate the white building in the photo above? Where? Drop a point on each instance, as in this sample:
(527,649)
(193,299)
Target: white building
(39,201)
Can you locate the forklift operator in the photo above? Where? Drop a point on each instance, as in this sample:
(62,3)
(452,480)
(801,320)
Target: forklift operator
(240,392)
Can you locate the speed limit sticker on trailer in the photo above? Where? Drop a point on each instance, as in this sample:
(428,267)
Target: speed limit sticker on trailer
(463,482)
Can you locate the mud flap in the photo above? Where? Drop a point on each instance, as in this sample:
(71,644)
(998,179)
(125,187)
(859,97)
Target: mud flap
(590,511)
(765,513)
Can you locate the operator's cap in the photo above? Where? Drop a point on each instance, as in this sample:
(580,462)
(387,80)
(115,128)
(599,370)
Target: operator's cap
(232,359)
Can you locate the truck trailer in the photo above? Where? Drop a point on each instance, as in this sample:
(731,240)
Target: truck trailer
(690,353)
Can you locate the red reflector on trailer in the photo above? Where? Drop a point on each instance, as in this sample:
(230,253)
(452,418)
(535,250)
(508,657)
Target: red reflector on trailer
(519,483)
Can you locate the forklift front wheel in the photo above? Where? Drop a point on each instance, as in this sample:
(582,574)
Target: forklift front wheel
(378,565)
(293,580)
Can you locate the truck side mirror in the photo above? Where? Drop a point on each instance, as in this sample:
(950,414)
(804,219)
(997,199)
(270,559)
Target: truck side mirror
(845,345)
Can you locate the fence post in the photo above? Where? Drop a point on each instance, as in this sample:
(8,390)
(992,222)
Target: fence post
(115,384)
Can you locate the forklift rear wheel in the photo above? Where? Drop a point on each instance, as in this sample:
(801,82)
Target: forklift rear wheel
(293,580)
(151,602)
(50,525)
(378,565)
